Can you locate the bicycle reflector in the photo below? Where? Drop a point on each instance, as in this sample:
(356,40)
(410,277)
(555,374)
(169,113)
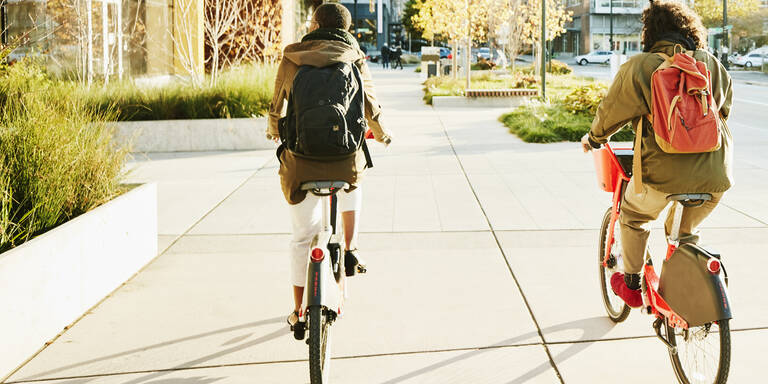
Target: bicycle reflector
(713,265)
(317,255)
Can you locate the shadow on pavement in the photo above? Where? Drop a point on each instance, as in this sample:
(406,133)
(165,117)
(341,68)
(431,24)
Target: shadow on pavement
(589,332)
(276,320)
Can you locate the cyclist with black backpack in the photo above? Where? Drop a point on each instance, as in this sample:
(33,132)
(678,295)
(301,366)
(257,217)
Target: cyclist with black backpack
(331,105)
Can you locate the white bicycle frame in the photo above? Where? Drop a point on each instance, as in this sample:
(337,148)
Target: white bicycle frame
(322,288)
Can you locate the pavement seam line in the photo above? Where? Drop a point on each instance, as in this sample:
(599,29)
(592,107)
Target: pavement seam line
(746,214)
(501,249)
(257,234)
(142,269)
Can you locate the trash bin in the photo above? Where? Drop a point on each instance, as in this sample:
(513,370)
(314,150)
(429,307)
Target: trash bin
(431,69)
(430,60)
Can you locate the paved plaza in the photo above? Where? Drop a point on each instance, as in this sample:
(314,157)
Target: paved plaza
(482,259)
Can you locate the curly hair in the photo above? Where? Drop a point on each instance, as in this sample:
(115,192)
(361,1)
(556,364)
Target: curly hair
(665,17)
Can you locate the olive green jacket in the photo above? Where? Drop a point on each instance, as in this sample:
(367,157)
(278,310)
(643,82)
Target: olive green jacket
(629,100)
(296,168)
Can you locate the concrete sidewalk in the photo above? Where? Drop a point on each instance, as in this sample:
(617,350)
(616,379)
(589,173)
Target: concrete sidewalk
(482,268)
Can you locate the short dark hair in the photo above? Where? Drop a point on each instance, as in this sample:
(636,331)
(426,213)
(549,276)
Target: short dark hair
(332,15)
(663,17)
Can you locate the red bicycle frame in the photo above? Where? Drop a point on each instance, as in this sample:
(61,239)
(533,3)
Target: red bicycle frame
(612,178)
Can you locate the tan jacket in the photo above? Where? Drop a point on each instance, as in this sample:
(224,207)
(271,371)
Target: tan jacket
(629,100)
(296,168)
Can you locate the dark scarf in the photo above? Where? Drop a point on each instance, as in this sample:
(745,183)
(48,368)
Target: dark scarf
(675,38)
(332,34)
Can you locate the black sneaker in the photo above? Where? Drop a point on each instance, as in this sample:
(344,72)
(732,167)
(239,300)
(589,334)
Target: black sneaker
(353,264)
(297,327)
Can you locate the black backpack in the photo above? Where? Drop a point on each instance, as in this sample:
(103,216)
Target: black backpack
(326,111)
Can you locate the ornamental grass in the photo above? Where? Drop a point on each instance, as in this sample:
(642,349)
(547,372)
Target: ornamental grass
(57,157)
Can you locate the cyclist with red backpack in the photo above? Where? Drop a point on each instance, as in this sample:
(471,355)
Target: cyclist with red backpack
(331,105)
(678,98)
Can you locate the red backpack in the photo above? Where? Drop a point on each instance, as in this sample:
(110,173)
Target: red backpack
(683,112)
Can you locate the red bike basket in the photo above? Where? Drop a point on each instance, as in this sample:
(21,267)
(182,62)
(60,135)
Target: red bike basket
(607,167)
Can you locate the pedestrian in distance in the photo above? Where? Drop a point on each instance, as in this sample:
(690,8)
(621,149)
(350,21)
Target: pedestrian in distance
(385,55)
(328,86)
(398,55)
(645,93)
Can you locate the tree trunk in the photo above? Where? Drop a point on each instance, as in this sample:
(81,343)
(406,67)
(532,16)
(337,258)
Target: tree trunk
(455,60)
(469,61)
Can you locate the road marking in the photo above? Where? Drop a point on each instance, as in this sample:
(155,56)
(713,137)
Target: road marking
(751,102)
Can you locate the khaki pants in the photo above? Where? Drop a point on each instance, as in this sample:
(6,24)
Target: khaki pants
(638,209)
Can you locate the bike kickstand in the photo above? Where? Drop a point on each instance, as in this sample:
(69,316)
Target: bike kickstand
(657,327)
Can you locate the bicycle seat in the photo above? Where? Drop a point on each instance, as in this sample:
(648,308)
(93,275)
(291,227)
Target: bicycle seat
(320,185)
(690,199)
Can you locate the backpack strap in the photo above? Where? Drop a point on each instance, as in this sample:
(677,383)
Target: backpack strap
(637,167)
(367,153)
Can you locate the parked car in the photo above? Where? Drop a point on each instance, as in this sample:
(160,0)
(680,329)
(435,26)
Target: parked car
(483,53)
(600,57)
(751,59)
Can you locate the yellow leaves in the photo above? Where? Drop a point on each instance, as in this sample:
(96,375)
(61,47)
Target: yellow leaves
(530,20)
(453,19)
(711,11)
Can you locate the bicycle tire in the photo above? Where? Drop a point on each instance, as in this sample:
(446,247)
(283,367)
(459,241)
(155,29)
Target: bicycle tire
(720,375)
(319,342)
(617,313)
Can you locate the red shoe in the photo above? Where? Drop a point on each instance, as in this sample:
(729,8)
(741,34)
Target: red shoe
(633,297)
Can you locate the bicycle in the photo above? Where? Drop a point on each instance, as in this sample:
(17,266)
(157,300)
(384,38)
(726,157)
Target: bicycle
(689,297)
(326,287)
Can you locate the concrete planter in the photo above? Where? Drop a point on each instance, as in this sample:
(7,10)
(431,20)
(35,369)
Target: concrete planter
(194,135)
(49,282)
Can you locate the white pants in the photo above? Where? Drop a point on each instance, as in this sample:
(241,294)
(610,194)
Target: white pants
(306,220)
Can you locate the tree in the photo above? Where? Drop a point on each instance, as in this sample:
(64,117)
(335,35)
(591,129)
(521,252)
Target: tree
(221,21)
(530,20)
(711,11)
(454,20)
(745,28)
(411,9)
(506,24)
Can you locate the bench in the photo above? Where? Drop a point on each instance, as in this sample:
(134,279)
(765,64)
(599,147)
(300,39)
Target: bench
(501,92)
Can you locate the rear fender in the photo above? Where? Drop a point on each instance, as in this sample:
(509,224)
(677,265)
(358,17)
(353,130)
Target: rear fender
(321,288)
(691,291)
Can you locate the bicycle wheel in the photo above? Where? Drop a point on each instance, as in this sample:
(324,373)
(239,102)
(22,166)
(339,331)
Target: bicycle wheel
(703,353)
(319,345)
(615,307)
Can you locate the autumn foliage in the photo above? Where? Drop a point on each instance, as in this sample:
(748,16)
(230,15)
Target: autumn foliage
(253,35)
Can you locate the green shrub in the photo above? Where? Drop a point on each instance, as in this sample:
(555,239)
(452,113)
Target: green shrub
(483,65)
(409,58)
(559,68)
(540,123)
(242,92)
(442,86)
(418,69)
(586,98)
(57,157)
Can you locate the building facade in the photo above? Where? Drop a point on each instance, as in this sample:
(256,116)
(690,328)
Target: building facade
(371,21)
(136,38)
(590,29)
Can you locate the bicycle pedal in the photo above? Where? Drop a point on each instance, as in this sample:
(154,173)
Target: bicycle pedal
(299,330)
